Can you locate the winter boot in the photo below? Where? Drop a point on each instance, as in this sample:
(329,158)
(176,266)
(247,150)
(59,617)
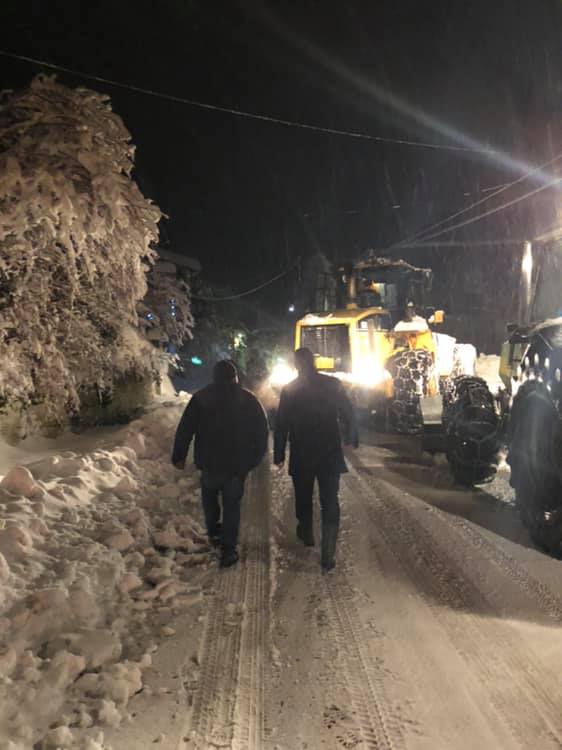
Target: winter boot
(215,535)
(328,554)
(306,535)
(229,557)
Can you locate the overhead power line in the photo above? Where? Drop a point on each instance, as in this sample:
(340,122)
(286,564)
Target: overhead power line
(249,291)
(423,233)
(242,113)
(554,233)
(494,210)
(460,243)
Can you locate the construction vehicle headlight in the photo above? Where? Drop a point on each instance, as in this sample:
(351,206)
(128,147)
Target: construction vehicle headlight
(369,376)
(281,374)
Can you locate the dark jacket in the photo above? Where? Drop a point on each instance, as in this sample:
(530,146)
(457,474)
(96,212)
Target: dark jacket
(230,429)
(309,410)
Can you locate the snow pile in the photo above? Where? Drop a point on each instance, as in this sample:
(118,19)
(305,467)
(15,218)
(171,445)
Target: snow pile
(488,368)
(96,557)
(465,356)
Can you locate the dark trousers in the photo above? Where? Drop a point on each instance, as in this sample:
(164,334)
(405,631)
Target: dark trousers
(328,486)
(232,489)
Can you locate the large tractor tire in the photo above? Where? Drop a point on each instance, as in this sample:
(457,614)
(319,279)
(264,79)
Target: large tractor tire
(472,430)
(535,457)
(411,371)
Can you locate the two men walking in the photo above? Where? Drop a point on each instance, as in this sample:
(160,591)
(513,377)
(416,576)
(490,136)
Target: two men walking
(230,430)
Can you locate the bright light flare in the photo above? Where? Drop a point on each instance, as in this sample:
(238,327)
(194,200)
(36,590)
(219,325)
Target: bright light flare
(527,262)
(282,373)
(527,274)
(366,374)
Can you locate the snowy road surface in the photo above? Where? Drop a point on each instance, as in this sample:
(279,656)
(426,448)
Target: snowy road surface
(440,627)
(434,632)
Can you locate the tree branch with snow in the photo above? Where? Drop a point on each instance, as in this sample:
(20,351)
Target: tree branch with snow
(76,238)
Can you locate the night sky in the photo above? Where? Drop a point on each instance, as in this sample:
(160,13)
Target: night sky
(247,197)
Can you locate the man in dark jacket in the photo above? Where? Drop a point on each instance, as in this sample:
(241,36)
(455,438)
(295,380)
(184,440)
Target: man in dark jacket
(309,410)
(231,431)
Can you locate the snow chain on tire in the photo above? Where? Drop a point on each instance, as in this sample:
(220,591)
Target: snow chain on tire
(411,371)
(472,429)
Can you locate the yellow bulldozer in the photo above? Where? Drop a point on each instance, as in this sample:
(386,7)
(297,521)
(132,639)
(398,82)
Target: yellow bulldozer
(378,342)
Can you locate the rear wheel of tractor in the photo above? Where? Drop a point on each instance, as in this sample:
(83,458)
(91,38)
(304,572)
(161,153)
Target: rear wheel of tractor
(472,430)
(545,533)
(545,528)
(549,536)
(535,457)
(468,476)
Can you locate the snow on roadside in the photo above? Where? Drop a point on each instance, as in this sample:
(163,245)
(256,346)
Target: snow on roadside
(97,553)
(488,368)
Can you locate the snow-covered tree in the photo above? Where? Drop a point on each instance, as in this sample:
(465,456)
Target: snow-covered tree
(75,246)
(167,305)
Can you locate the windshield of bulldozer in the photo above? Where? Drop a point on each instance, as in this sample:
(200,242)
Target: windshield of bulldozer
(390,284)
(330,346)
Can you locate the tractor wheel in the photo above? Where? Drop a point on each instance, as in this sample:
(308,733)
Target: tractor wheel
(548,536)
(411,371)
(535,457)
(472,429)
(468,476)
(545,529)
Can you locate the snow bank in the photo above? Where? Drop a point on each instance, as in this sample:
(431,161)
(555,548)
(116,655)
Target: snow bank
(96,549)
(488,368)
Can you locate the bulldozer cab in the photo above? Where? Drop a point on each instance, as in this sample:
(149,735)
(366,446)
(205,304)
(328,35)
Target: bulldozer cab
(356,340)
(388,367)
(384,283)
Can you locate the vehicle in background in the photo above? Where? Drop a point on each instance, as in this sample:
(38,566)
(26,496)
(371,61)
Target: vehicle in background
(377,340)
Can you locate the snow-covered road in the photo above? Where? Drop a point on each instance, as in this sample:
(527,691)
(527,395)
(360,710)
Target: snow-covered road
(435,632)
(440,627)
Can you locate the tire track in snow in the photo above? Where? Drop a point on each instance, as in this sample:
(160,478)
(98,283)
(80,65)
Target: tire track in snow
(212,712)
(249,726)
(363,678)
(545,599)
(520,690)
(228,705)
(356,713)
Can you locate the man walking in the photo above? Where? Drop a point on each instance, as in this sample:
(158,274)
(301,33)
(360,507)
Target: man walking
(309,409)
(231,432)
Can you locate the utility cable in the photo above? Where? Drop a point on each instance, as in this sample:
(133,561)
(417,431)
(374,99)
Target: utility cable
(321,129)
(243,113)
(494,210)
(459,243)
(501,189)
(249,291)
